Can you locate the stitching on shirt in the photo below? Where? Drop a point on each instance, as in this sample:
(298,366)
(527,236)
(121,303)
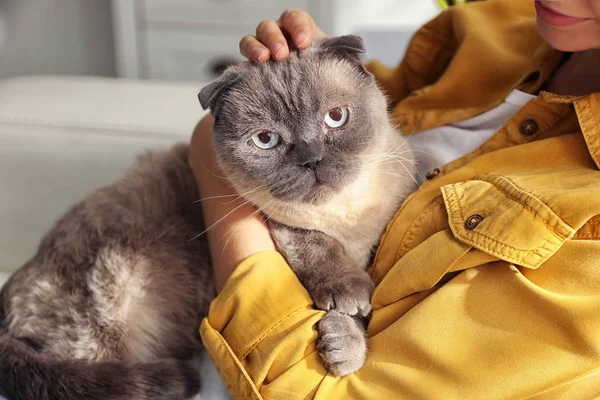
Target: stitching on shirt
(585,118)
(595,155)
(257,394)
(472,240)
(528,193)
(504,244)
(501,189)
(587,236)
(316,387)
(389,230)
(535,251)
(404,205)
(593,226)
(411,233)
(264,335)
(418,224)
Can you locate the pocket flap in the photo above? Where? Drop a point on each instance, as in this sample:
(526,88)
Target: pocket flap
(493,215)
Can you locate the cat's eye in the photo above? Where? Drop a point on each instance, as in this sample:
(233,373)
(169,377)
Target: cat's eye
(266,140)
(336,117)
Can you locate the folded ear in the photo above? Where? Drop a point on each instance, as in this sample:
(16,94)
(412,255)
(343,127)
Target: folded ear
(349,47)
(211,93)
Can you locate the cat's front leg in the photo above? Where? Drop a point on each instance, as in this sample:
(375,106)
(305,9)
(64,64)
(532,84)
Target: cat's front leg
(342,342)
(333,280)
(337,286)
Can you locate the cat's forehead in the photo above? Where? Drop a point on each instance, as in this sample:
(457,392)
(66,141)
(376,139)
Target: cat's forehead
(305,69)
(301,84)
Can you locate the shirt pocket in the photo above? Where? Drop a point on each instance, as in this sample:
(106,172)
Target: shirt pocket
(493,215)
(489,219)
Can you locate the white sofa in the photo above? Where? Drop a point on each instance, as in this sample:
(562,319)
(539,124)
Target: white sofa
(61,137)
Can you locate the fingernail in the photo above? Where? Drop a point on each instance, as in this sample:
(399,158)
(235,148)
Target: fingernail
(277,50)
(259,54)
(301,38)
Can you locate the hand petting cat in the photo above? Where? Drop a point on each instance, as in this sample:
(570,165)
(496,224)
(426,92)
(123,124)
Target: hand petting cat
(270,39)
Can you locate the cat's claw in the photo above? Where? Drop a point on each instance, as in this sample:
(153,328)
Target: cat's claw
(342,343)
(350,295)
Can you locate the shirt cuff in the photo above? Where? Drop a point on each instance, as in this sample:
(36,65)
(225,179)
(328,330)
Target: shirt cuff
(261,326)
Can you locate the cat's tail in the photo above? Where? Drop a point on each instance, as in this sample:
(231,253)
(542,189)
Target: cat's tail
(27,375)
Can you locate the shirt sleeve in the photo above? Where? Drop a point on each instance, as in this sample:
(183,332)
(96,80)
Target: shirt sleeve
(492,323)
(262,327)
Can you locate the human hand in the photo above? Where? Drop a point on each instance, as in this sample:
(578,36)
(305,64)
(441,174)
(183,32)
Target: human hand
(270,39)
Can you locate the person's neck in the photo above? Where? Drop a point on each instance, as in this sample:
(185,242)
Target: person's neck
(578,76)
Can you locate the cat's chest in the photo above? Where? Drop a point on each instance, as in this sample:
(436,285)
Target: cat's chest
(357,217)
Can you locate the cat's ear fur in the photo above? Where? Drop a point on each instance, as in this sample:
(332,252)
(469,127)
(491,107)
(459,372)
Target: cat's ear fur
(210,94)
(348,47)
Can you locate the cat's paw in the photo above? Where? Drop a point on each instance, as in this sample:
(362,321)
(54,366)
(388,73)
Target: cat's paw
(350,294)
(342,343)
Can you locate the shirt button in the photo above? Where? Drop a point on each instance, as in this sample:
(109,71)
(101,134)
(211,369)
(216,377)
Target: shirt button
(432,173)
(529,127)
(473,221)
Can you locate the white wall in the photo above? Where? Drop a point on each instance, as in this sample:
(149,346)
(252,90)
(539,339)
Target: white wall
(71,37)
(385,25)
(353,15)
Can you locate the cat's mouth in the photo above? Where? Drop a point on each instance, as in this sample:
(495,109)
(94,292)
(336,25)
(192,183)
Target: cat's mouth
(314,192)
(319,192)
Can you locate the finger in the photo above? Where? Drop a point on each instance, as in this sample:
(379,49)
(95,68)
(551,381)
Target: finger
(299,25)
(270,34)
(252,49)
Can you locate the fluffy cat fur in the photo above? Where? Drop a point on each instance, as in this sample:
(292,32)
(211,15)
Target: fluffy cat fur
(109,307)
(328,193)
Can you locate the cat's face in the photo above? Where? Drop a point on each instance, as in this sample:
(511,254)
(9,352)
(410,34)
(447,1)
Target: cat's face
(300,129)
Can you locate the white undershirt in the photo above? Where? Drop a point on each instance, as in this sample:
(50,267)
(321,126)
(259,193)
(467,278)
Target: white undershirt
(438,146)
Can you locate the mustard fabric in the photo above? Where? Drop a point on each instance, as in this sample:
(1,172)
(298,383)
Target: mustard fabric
(507,309)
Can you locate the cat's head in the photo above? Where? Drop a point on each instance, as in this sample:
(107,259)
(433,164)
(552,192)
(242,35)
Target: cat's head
(300,129)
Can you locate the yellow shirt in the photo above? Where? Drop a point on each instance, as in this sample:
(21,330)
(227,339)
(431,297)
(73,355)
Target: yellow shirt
(488,277)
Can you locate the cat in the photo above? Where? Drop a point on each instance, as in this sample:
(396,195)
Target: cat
(109,306)
(309,142)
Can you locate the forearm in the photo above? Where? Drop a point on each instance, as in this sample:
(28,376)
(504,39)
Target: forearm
(235,230)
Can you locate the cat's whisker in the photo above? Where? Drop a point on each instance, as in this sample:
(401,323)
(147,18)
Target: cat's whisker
(232,232)
(218,197)
(212,173)
(236,195)
(400,175)
(422,151)
(405,167)
(263,210)
(410,174)
(248,193)
(220,219)
(387,159)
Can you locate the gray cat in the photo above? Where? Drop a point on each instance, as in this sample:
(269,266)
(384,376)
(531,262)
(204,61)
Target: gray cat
(308,141)
(109,307)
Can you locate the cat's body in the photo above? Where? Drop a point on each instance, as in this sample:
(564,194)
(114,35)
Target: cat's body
(309,142)
(110,305)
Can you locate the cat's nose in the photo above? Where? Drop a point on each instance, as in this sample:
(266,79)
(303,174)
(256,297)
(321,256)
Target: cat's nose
(308,154)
